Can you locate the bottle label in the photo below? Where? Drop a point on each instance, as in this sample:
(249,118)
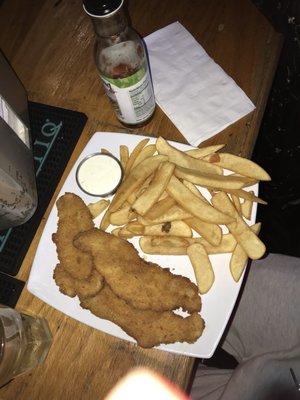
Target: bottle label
(132,97)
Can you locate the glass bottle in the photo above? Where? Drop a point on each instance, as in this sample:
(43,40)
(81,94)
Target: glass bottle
(121,59)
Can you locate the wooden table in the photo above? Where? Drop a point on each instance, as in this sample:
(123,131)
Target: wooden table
(49,43)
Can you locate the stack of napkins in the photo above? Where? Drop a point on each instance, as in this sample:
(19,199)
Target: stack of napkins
(195,93)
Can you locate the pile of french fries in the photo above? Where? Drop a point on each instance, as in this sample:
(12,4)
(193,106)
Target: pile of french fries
(159,200)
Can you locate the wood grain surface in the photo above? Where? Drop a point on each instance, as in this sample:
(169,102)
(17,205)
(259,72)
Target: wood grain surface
(50,44)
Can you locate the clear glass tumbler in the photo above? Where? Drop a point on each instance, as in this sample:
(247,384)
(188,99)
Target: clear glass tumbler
(24,343)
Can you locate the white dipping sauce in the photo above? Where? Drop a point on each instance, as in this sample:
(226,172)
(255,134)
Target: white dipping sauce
(99,174)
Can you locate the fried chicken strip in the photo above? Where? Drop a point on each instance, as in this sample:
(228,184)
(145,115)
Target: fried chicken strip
(143,285)
(77,287)
(73,217)
(148,328)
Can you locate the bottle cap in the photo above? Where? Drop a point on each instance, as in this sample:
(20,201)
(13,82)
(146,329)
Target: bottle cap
(101,8)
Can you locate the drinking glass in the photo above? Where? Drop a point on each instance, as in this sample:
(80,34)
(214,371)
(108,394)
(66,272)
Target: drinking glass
(24,342)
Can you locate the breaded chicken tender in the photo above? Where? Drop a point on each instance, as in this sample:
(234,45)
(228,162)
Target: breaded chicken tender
(73,217)
(148,328)
(77,287)
(143,285)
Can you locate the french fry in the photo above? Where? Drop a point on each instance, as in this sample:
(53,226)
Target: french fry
(175,228)
(205,151)
(136,177)
(105,151)
(240,165)
(161,207)
(227,244)
(194,205)
(175,213)
(182,159)
(236,201)
(124,233)
(116,231)
(170,241)
(193,188)
(152,193)
(252,245)
(157,245)
(163,195)
(246,208)
(105,222)
(139,190)
(135,228)
(239,258)
(122,216)
(98,207)
(136,151)
(211,180)
(146,152)
(210,232)
(243,194)
(161,248)
(204,272)
(124,155)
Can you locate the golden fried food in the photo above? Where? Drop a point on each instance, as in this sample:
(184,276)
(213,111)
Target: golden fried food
(77,287)
(148,328)
(143,285)
(73,218)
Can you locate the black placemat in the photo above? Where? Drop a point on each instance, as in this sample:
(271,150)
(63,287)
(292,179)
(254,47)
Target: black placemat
(10,290)
(55,132)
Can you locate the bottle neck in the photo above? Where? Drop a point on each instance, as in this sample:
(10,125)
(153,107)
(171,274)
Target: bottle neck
(110,25)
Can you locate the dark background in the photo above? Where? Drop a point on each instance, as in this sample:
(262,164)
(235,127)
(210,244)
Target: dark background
(278,145)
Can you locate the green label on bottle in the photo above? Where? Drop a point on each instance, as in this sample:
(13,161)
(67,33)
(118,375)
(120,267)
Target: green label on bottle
(129,80)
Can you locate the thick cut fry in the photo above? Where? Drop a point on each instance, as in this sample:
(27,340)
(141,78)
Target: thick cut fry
(124,155)
(240,165)
(105,222)
(205,151)
(243,194)
(164,195)
(175,213)
(146,152)
(246,208)
(122,216)
(236,201)
(200,261)
(227,244)
(211,180)
(252,245)
(175,228)
(98,207)
(161,248)
(193,204)
(135,179)
(210,232)
(170,241)
(124,233)
(136,151)
(193,188)
(239,257)
(135,228)
(116,231)
(105,151)
(157,245)
(182,159)
(161,207)
(139,190)
(152,193)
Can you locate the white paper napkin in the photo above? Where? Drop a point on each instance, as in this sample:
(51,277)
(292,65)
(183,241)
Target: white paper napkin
(195,93)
